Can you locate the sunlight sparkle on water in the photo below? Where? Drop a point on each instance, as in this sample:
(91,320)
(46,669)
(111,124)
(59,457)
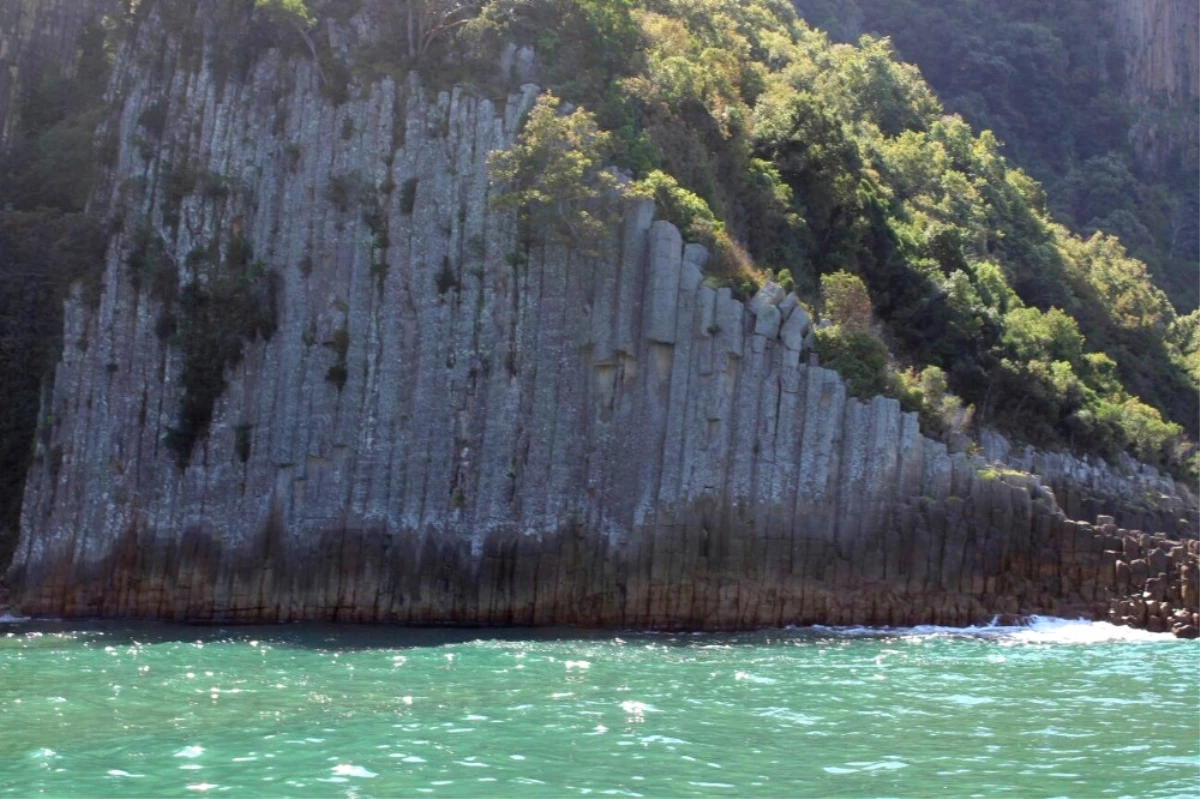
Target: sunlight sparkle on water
(1055,708)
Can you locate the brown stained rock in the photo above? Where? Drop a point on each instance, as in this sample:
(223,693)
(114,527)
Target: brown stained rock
(1186,631)
(1155,625)
(1157,587)
(1189,583)
(1137,609)
(1139,571)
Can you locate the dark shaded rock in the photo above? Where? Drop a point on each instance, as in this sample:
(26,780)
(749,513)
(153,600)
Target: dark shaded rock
(1158,560)
(1124,576)
(1157,587)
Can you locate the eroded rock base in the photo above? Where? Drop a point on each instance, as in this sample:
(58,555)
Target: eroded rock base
(696,574)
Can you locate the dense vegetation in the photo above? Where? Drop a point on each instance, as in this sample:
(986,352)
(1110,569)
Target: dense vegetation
(1050,80)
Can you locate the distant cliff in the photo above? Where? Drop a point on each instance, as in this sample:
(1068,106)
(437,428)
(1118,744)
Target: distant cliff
(1162,39)
(38,41)
(1161,42)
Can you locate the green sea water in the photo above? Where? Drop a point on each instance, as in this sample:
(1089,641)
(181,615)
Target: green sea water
(1056,709)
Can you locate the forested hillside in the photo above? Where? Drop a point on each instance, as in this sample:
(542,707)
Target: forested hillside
(1097,100)
(832,168)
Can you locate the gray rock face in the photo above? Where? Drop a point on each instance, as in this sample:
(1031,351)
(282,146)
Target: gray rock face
(770,294)
(796,329)
(1136,495)
(519,435)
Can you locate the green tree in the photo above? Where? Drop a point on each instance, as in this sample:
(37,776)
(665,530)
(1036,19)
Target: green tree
(844,300)
(295,11)
(553,175)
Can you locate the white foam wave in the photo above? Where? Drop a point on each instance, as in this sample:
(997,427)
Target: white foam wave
(8,618)
(1037,630)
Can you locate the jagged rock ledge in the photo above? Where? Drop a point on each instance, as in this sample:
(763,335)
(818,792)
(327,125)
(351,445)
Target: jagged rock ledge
(450,425)
(1137,496)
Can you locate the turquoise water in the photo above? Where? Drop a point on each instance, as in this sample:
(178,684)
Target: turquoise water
(1058,709)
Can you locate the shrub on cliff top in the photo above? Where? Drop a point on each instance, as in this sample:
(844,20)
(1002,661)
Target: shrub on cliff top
(857,355)
(553,174)
(293,11)
(845,301)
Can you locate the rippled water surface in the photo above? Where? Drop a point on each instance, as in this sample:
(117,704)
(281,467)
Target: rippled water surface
(1055,710)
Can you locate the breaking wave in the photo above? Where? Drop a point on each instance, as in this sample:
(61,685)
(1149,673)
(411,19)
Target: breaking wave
(1036,630)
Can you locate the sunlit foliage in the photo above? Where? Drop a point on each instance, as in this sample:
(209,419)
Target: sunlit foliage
(825,158)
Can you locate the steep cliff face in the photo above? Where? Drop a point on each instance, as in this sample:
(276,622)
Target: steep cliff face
(38,40)
(325,380)
(1161,42)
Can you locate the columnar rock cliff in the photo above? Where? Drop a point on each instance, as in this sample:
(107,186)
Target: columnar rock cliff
(427,418)
(1162,42)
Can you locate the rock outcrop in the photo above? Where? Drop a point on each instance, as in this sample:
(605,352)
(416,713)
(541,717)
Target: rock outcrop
(423,417)
(1137,496)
